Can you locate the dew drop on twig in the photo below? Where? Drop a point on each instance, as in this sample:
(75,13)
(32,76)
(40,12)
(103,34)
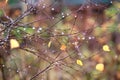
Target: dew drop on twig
(33,27)
(62,33)
(67,14)
(83,38)
(40,28)
(63,16)
(43,6)
(89,38)
(18,31)
(52,9)
(53,17)
(17,71)
(24,29)
(3,65)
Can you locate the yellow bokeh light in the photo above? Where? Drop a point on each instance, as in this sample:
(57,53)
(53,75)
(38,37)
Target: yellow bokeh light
(6,1)
(100,67)
(14,43)
(106,48)
(79,62)
(63,47)
(49,44)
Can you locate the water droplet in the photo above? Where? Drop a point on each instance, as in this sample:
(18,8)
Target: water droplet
(2,33)
(75,43)
(75,16)
(53,17)
(40,28)
(83,38)
(29,66)
(38,31)
(57,63)
(62,13)
(52,9)
(18,31)
(89,38)
(62,33)
(24,29)
(44,6)
(33,27)
(17,71)
(67,14)
(88,6)
(3,65)
(63,16)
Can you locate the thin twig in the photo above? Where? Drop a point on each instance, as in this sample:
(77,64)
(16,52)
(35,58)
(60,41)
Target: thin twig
(37,74)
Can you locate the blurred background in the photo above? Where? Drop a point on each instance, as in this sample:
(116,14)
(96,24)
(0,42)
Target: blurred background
(66,39)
